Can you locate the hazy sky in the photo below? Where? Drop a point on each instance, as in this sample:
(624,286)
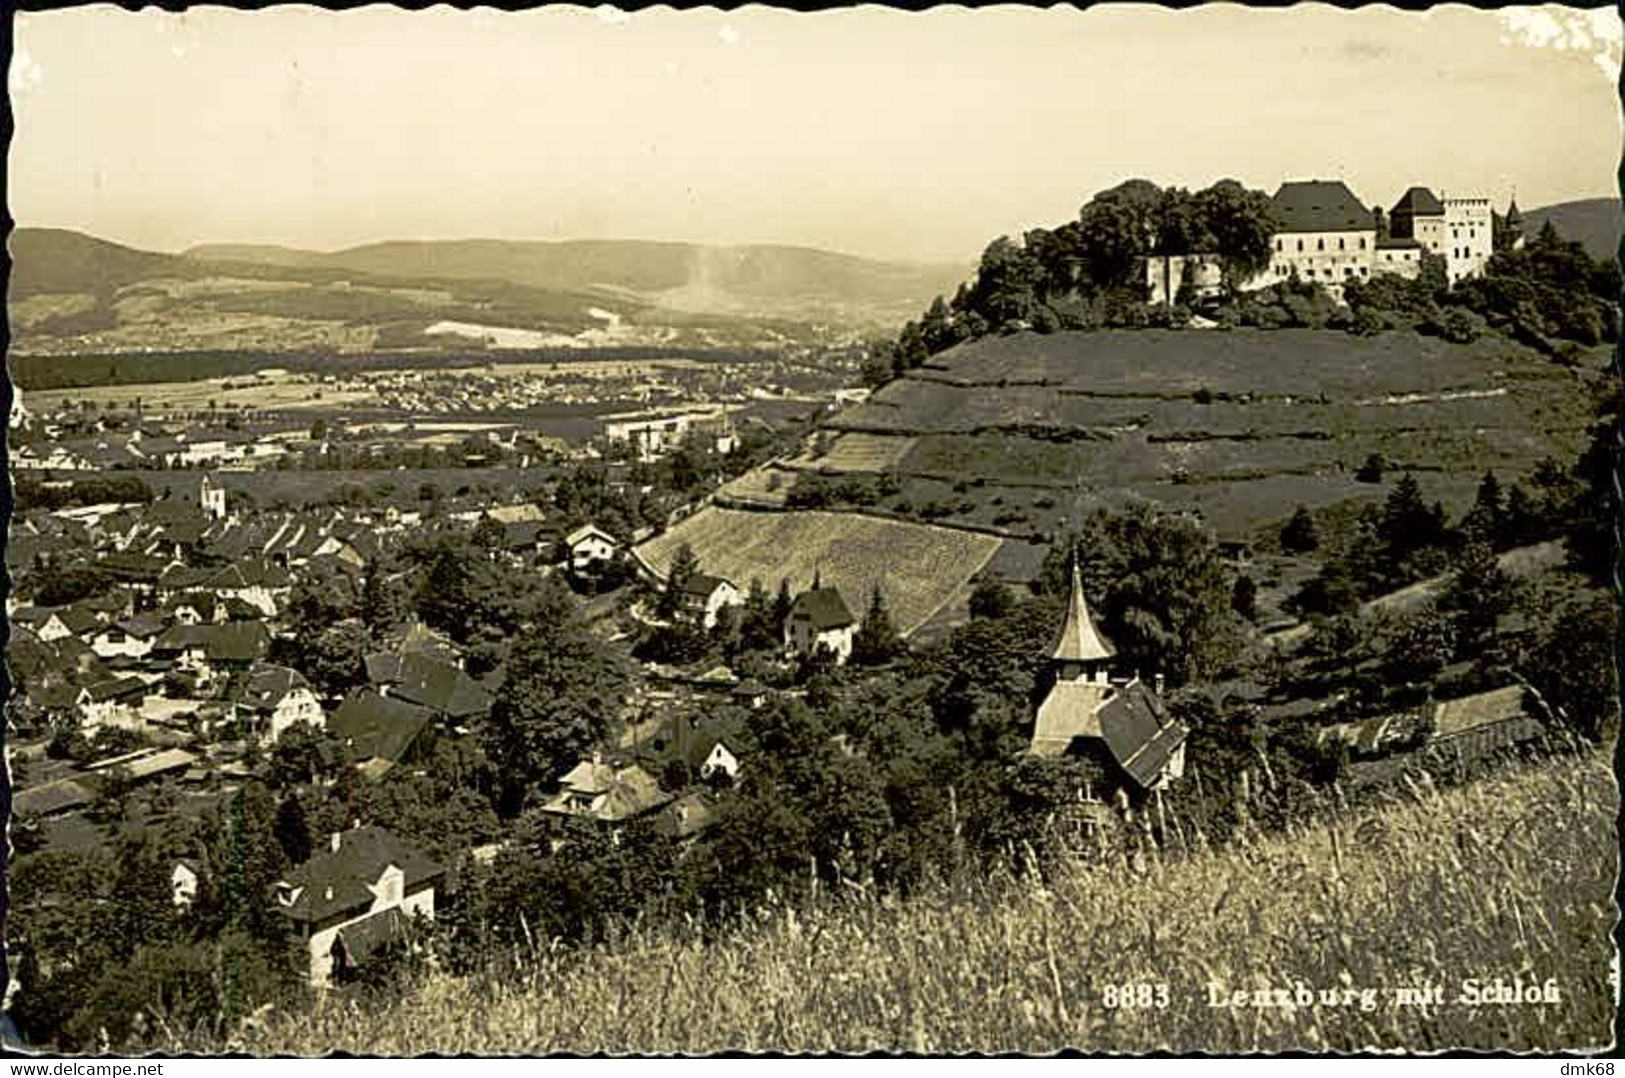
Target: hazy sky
(863,130)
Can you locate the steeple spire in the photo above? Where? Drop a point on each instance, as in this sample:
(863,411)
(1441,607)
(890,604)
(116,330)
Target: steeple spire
(1080,641)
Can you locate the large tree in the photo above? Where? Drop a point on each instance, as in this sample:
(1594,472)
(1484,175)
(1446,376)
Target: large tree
(1157,580)
(562,693)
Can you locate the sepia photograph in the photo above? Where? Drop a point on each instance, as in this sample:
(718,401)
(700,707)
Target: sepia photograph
(673,532)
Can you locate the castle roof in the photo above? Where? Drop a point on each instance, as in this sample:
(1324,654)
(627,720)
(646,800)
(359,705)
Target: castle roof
(1418,202)
(1319,206)
(1079,640)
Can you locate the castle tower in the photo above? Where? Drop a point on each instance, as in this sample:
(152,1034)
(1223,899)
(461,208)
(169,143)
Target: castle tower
(1514,226)
(1080,652)
(212,499)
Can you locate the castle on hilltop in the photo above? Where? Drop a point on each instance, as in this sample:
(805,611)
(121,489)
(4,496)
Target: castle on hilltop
(1325,234)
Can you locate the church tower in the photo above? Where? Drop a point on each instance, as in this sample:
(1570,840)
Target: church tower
(212,499)
(1080,652)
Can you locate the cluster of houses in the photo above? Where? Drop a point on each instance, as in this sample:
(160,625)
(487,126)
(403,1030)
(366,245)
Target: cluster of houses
(179,651)
(1325,234)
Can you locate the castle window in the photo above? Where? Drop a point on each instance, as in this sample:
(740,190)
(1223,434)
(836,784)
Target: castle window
(1362,243)
(1340,243)
(1320,244)
(1300,245)
(1278,244)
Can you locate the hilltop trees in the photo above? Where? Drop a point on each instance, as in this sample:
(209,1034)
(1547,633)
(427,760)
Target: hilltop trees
(1085,273)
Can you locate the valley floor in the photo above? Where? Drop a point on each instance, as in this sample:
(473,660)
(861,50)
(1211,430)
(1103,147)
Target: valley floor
(1401,923)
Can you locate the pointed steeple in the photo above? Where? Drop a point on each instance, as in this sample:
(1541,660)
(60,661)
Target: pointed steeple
(1079,640)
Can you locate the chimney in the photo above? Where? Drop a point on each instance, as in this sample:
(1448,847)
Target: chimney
(335,840)
(1157,682)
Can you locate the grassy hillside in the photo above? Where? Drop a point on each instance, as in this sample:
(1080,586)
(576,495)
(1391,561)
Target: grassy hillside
(1510,877)
(1598,223)
(1249,422)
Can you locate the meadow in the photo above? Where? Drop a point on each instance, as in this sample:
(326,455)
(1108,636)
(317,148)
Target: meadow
(918,567)
(1506,879)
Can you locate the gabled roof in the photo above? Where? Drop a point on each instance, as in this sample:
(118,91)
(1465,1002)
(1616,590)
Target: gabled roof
(1418,202)
(627,792)
(586,531)
(430,683)
(268,685)
(1079,640)
(1129,720)
(700,585)
(51,797)
(1139,732)
(116,689)
(823,608)
(1454,717)
(378,726)
(338,881)
(235,641)
(1319,206)
(143,626)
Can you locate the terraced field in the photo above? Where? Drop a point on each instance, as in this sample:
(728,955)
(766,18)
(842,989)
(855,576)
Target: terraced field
(1242,425)
(918,568)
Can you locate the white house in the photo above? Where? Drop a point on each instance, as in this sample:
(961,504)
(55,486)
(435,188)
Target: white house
(720,760)
(1460,229)
(111,703)
(819,618)
(704,598)
(183,883)
(131,638)
(273,698)
(363,890)
(590,548)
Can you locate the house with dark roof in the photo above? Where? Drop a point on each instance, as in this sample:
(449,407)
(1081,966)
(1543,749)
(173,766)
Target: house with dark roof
(1418,216)
(272,698)
(1323,233)
(129,638)
(1458,228)
(1122,726)
(116,702)
(423,679)
(214,650)
(703,598)
(363,889)
(820,618)
(376,727)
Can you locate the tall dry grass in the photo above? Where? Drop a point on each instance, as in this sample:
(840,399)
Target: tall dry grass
(1509,877)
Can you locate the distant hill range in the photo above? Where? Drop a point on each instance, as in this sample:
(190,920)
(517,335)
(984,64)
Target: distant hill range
(1598,223)
(683,275)
(74,292)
